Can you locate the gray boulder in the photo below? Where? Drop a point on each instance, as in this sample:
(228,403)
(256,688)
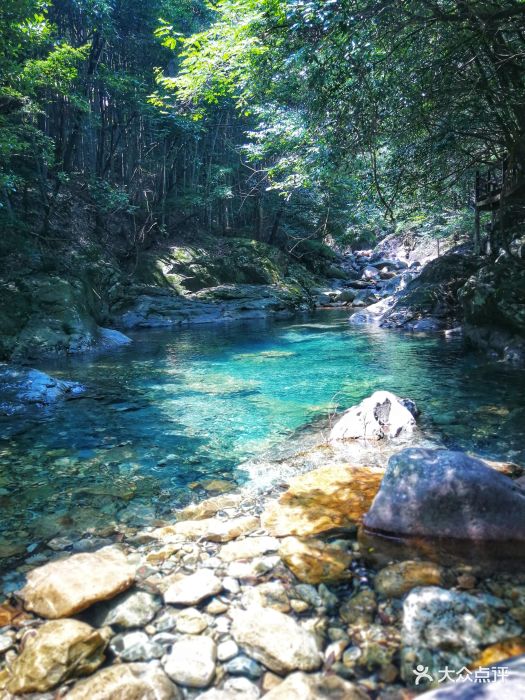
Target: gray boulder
(444,494)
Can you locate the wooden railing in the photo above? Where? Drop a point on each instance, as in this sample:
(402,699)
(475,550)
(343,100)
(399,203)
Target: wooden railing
(498,183)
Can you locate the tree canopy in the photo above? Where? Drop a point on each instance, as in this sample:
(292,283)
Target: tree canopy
(284,120)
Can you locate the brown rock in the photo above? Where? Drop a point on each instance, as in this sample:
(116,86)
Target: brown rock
(360,608)
(396,580)
(11,616)
(500,651)
(126,682)
(324,499)
(314,561)
(67,586)
(301,686)
(59,650)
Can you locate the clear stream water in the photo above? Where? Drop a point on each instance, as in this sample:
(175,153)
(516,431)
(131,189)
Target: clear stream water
(180,407)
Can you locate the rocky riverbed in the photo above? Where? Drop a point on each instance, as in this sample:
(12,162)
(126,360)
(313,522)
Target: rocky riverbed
(279,592)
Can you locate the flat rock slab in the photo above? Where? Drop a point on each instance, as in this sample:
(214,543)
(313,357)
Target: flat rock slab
(301,686)
(321,500)
(126,682)
(190,590)
(65,587)
(212,529)
(248,548)
(275,639)
(445,494)
(59,650)
(209,507)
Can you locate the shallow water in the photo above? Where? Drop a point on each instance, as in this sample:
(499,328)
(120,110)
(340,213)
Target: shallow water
(180,407)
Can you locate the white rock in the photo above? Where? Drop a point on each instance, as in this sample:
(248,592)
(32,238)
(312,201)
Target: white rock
(381,415)
(190,590)
(275,640)
(248,548)
(253,568)
(191,662)
(227,650)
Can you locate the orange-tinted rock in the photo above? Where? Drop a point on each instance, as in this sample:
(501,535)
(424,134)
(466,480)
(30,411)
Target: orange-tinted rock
(321,500)
(11,617)
(396,580)
(314,561)
(500,651)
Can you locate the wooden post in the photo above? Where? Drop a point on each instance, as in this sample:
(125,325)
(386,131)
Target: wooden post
(477,238)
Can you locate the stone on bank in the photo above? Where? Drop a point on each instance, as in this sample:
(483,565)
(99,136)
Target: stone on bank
(68,586)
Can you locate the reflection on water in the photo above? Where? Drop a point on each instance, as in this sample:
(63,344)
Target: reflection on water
(180,407)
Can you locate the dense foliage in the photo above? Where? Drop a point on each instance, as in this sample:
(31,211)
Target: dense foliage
(282,120)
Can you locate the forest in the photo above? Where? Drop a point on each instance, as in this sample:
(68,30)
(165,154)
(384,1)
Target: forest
(262,349)
(279,121)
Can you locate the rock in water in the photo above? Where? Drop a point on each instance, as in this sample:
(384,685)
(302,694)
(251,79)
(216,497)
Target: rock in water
(192,662)
(314,561)
(126,682)
(131,609)
(444,494)
(397,579)
(448,628)
(190,590)
(301,686)
(67,586)
(59,650)
(321,500)
(382,415)
(275,640)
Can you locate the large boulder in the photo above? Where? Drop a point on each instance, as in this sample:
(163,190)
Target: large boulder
(382,415)
(322,500)
(447,495)
(67,586)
